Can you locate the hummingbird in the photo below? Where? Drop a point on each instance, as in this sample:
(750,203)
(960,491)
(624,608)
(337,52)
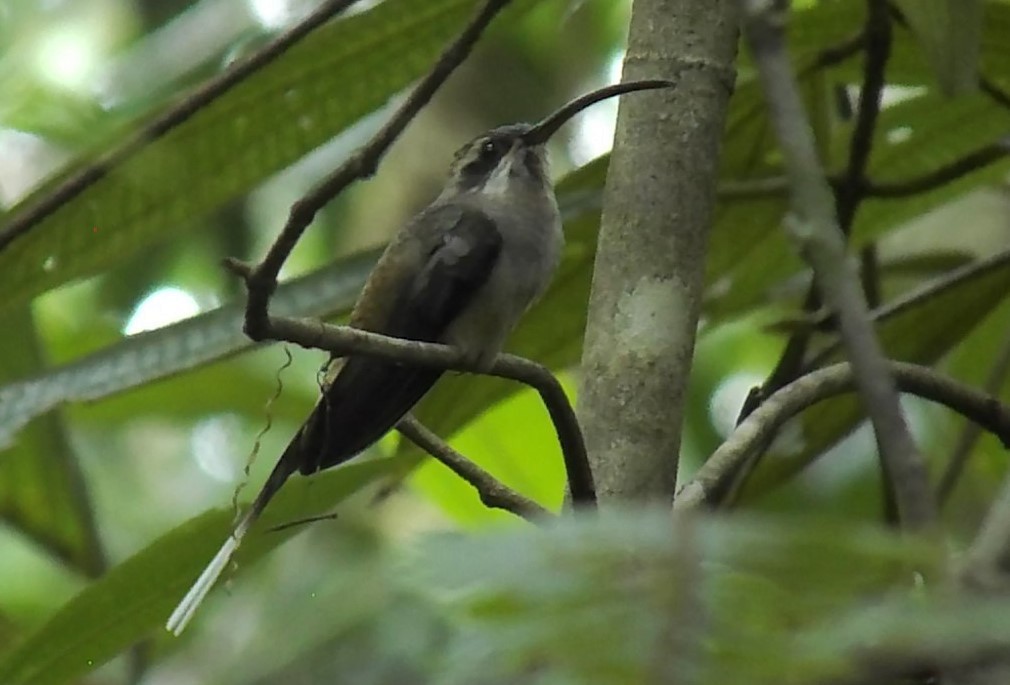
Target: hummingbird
(461,272)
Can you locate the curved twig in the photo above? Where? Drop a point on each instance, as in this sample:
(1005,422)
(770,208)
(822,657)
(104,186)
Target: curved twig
(756,432)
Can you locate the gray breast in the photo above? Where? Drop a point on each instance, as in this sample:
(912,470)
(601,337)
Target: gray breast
(531,249)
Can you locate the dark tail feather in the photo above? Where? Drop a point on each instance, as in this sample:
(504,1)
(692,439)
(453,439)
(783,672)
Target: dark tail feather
(364,402)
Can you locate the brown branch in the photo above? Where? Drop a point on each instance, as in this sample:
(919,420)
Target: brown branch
(344,340)
(721,471)
(262,280)
(817,232)
(25,220)
(493,493)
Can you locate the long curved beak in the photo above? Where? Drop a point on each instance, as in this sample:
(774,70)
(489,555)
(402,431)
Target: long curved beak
(540,133)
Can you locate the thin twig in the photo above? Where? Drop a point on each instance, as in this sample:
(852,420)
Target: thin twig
(995,93)
(971,433)
(849,193)
(721,471)
(932,289)
(869,274)
(344,340)
(493,493)
(816,231)
(771,186)
(972,161)
(80,181)
(835,54)
(262,280)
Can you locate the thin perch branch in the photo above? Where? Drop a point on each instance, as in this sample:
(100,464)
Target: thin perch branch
(719,473)
(815,230)
(344,340)
(493,493)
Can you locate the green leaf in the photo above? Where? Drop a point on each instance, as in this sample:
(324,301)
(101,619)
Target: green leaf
(42,490)
(134,599)
(329,80)
(178,348)
(46,110)
(939,133)
(635,597)
(949,33)
(918,136)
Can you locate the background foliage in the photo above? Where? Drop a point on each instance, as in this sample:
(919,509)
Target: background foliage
(122,448)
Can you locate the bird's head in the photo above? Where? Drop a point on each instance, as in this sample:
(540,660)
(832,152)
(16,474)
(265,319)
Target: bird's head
(511,157)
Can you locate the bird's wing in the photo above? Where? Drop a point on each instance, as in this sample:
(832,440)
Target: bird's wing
(460,246)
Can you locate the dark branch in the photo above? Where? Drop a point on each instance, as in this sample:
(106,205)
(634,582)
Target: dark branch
(836,54)
(721,471)
(973,161)
(817,231)
(79,182)
(344,340)
(493,493)
(263,279)
(995,93)
(849,192)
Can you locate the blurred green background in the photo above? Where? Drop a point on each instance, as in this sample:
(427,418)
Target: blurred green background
(118,426)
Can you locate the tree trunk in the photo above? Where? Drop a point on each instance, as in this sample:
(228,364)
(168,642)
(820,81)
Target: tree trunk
(648,278)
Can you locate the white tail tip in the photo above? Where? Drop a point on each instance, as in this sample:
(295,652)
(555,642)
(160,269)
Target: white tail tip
(194,598)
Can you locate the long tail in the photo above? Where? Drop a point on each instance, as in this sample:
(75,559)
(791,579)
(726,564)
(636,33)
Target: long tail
(366,399)
(185,610)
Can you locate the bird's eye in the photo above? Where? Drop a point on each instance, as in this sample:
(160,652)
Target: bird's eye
(490,148)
